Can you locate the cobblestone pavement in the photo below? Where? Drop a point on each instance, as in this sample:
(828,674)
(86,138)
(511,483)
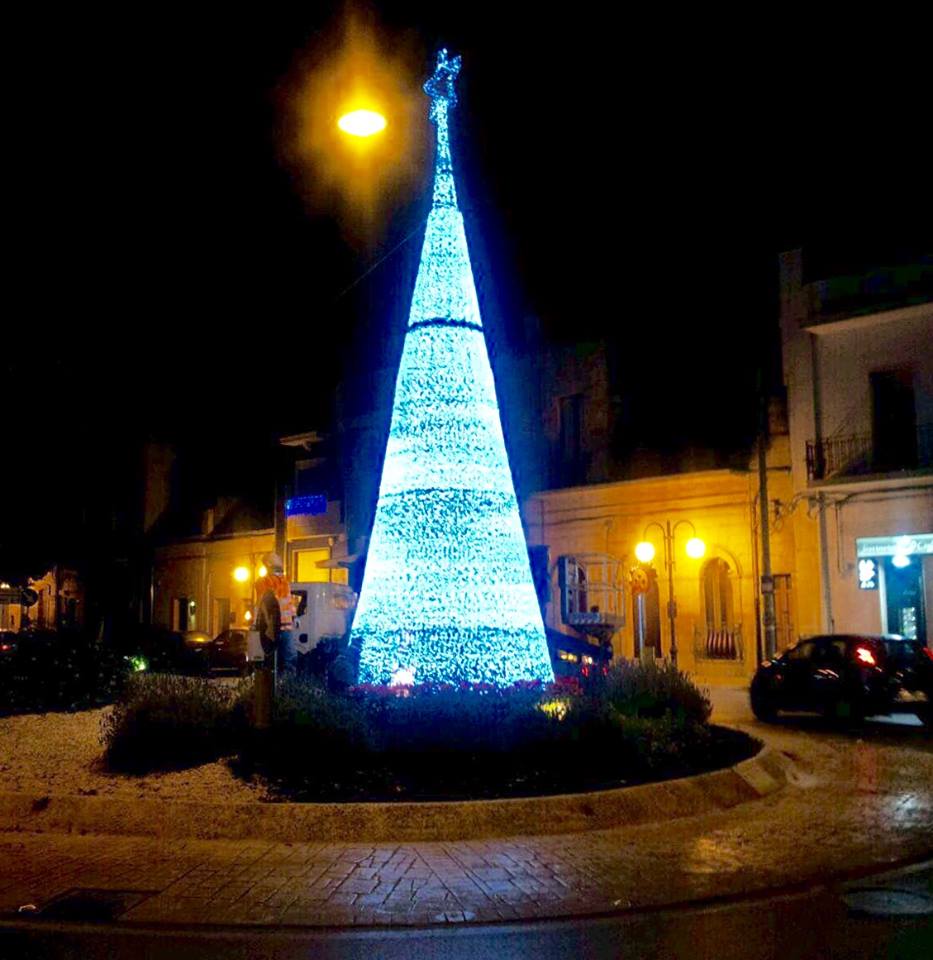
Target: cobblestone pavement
(859,803)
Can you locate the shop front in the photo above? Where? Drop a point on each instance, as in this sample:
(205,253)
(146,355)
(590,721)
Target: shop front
(899,571)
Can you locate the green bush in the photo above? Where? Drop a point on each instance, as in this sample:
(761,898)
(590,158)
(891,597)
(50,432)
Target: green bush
(59,670)
(452,743)
(631,724)
(311,729)
(635,723)
(166,722)
(651,690)
(480,741)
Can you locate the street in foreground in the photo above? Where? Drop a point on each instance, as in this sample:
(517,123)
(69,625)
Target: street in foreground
(888,916)
(754,880)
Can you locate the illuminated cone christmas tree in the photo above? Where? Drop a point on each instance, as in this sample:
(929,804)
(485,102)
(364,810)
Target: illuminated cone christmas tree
(447,595)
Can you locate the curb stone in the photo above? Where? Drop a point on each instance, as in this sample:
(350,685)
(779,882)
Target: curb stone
(759,776)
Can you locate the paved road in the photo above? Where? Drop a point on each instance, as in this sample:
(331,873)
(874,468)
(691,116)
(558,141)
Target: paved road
(889,916)
(731,705)
(862,801)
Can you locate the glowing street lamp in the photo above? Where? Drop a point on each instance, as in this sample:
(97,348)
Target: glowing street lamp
(644,551)
(362,123)
(695,548)
(241,574)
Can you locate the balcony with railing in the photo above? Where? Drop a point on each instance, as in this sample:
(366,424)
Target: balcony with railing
(856,455)
(711,644)
(884,288)
(592,593)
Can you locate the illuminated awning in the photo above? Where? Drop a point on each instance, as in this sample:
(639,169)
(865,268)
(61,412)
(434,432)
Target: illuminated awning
(902,545)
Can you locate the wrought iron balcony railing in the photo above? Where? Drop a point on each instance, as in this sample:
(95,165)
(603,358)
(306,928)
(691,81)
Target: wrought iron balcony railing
(712,644)
(592,593)
(859,454)
(883,288)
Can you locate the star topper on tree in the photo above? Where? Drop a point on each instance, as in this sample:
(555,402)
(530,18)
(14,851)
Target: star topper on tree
(441,85)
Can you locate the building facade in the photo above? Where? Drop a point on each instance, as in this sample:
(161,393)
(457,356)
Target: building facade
(204,581)
(60,603)
(588,536)
(11,608)
(858,369)
(850,492)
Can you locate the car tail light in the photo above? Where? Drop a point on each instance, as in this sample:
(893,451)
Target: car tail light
(9,646)
(928,652)
(864,655)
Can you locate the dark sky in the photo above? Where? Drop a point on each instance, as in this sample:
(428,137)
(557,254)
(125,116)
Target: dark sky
(622,171)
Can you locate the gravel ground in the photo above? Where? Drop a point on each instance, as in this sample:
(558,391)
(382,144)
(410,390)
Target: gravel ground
(59,754)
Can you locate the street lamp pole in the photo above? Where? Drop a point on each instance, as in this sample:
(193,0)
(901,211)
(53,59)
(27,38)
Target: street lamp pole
(669,533)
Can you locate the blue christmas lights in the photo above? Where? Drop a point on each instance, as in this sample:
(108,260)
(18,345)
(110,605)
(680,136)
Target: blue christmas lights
(447,594)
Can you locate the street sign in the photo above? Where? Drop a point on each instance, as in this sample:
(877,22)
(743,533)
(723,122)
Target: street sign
(29,597)
(639,580)
(313,505)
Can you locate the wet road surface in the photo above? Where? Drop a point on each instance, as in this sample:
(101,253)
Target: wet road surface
(888,916)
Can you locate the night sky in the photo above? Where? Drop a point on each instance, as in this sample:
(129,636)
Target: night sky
(622,172)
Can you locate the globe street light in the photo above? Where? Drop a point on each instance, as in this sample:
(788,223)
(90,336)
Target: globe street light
(362,123)
(695,548)
(644,551)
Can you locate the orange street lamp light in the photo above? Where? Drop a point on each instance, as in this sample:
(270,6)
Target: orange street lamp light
(695,548)
(362,123)
(644,551)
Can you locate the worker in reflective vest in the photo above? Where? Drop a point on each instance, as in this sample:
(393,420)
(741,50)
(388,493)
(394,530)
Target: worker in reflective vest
(275,587)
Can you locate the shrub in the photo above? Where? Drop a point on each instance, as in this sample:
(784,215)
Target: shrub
(311,730)
(428,740)
(59,670)
(631,724)
(651,690)
(438,718)
(477,740)
(163,721)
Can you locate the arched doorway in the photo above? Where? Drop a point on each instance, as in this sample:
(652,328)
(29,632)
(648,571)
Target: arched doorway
(718,604)
(717,591)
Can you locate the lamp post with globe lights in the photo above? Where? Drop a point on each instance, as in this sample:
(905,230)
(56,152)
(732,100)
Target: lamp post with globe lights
(644,551)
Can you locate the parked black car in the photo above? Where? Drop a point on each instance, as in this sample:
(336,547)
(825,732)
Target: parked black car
(158,650)
(228,651)
(847,676)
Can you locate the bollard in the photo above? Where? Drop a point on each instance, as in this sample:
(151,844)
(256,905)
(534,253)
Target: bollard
(263,681)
